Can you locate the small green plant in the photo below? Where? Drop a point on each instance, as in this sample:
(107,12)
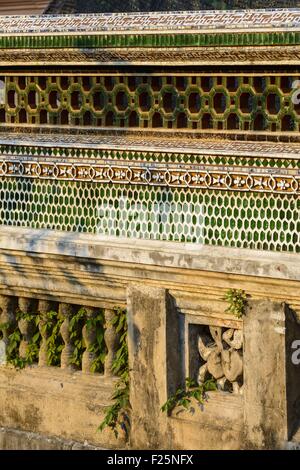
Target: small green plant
(12,350)
(96,323)
(98,348)
(3,326)
(237,300)
(15,338)
(118,414)
(183,396)
(75,329)
(51,324)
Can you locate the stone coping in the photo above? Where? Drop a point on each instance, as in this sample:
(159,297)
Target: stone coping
(149,143)
(151,253)
(17,439)
(234,20)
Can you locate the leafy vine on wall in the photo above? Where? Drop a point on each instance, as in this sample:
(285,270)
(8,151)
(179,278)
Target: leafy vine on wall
(118,414)
(48,325)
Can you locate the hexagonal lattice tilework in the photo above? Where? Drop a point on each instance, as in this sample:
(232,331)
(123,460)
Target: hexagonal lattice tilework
(197,102)
(246,220)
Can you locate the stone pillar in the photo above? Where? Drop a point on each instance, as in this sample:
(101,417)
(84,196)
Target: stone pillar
(111,339)
(89,338)
(26,327)
(154,363)
(65,312)
(271,376)
(44,307)
(7,323)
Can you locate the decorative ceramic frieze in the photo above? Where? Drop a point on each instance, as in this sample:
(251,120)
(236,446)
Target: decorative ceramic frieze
(161,21)
(266,180)
(229,55)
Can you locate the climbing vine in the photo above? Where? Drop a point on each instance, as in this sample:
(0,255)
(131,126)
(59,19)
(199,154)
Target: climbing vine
(118,414)
(14,340)
(237,300)
(75,329)
(50,328)
(98,348)
(50,324)
(183,396)
(95,323)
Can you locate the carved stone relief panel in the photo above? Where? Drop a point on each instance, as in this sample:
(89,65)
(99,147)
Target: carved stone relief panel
(222,357)
(214,350)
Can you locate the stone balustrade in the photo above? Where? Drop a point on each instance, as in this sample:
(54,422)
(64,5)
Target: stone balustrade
(48,333)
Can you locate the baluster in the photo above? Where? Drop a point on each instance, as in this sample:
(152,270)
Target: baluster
(44,308)
(89,338)
(65,312)
(111,339)
(8,320)
(26,327)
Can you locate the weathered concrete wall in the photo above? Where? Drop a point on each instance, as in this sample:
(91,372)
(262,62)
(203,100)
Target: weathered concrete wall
(93,270)
(154,352)
(156,346)
(15,439)
(167,289)
(265,416)
(54,402)
(272,380)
